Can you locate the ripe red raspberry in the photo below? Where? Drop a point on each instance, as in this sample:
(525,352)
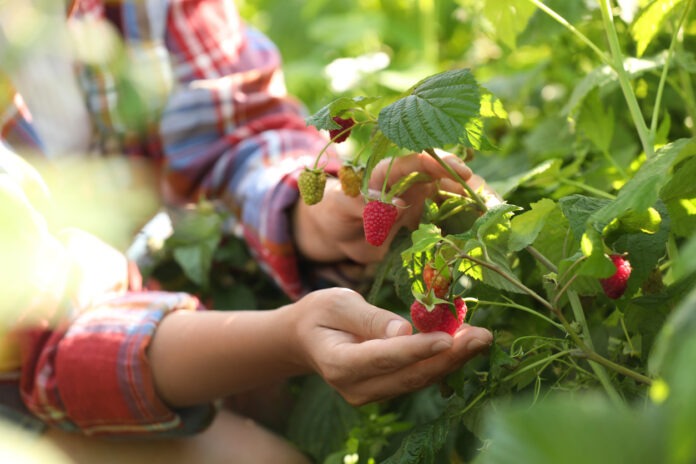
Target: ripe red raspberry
(351,180)
(441,317)
(615,286)
(434,281)
(311,183)
(378,219)
(338,135)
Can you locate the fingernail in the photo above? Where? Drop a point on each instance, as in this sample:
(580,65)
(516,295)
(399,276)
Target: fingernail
(396,328)
(478,344)
(441,345)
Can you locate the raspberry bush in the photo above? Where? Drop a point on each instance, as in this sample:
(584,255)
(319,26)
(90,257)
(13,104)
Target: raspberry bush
(581,116)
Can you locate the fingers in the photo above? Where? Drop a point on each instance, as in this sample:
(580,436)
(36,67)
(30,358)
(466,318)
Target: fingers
(417,162)
(406,373)
(383,356)
(351,313)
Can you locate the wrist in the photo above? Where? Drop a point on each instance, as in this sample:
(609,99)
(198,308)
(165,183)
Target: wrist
(291,322)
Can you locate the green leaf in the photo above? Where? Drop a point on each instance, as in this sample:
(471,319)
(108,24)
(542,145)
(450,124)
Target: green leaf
(195,260)
(495,216)
(508,18)
(681,184)
(434,114)
(597,122)
(642,190)
(650,21)
(644,250)
(492,106)
(552,239)
(483,274)
(685,262)
(597,263)
(583,284)
(673,358)
(682,212)
(194,226)
(422,444)
(527,226)
(647,221)
(572,429)
(547,171)
(323,119)
(474,137)
(423,238)
(321,419)
(578,208)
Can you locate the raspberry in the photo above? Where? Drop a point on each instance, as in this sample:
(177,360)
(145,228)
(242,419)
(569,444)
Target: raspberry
(338,135)
(615,286)
(435,281)
(351,180)
(378,219)
(440,318)
(311,183)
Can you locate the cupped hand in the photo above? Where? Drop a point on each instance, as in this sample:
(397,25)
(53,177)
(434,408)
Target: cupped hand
(332,229)
(370,354)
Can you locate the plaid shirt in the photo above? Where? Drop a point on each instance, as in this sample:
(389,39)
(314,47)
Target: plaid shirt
(214,114)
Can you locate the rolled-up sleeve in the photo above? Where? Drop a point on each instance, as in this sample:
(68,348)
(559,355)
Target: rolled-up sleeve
(230,131)
(92,373)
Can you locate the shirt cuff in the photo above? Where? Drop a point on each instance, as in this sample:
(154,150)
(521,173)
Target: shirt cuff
(100,381)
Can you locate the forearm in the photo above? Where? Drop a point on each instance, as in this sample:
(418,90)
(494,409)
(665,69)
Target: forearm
(197,357)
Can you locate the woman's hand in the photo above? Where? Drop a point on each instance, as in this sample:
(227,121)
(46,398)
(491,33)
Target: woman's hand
(332,229)
(370,354)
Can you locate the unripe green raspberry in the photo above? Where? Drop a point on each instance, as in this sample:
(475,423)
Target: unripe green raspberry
(311,183)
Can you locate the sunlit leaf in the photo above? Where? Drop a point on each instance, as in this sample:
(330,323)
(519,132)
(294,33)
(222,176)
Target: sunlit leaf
(434,114)
(423,239)
(508,18)
(648,24)
(642,190)
(527,226)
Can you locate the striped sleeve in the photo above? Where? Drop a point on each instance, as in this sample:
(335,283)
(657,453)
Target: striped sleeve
(231,132)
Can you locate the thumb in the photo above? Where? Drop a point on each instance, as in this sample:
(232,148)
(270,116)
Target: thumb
(355,315)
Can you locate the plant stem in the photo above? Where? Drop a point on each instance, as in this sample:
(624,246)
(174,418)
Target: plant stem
(541,258)
(474,196)
(582,37)
(624,80)
(597,192)
(628,338)
(588,347)
(596,360)
(565,288)
(526,310)
(471,404)
(512,279)
(546,360)
(665,68)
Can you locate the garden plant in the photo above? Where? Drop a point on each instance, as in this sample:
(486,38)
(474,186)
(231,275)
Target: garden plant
(580,257)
